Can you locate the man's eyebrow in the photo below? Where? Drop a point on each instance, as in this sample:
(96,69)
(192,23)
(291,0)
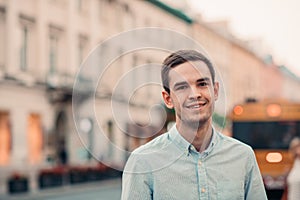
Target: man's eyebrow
(180,84)
(203,79)
(185,83)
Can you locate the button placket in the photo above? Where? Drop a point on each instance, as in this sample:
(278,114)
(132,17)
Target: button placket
(202,181)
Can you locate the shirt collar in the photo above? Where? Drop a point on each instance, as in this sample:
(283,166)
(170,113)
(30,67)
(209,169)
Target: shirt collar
(184,145)
(178,140)
(212,143)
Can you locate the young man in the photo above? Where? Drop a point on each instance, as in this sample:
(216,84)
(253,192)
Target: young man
(192,161)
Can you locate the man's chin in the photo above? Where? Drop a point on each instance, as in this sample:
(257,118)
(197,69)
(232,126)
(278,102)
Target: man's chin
(195,123)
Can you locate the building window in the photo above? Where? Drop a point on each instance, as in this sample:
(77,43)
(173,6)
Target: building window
(110,127)
(148,79)
(82,6)
(27,54)
(53,52)
(24,49)
(35,138)
(134,72)
(79,5)
(82,48)
(57,53)
(2,39)
(5,138)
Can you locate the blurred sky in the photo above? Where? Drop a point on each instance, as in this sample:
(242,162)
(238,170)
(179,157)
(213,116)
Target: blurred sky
(277,22)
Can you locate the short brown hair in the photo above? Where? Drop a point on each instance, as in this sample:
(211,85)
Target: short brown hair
(180,57)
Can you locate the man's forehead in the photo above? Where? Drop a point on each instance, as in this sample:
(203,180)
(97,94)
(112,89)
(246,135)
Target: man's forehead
(196,69)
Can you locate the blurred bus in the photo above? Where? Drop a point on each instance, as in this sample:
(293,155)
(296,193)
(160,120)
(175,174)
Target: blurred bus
(268,127)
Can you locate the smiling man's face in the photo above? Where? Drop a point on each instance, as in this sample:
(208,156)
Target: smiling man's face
(192,93)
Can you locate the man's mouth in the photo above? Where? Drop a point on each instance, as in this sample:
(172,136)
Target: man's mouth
(196,105)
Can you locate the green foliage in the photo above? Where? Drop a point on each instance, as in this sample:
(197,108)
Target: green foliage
(219,120)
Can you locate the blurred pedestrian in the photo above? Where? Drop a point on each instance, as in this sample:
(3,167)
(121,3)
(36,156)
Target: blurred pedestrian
(192,160)
(293,179)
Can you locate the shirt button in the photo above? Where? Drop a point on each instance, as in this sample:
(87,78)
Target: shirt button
(187,152)
(203,190)
(199,163)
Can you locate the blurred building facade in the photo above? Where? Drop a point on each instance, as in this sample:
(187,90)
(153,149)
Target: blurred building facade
(44,42)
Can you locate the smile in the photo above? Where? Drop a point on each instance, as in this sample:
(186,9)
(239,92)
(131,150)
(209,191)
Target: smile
(196,106)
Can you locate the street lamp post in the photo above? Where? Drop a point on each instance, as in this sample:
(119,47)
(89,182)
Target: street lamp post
(86,126)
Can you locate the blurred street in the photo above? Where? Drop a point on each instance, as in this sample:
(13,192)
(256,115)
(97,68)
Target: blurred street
(102,190)
(80,87)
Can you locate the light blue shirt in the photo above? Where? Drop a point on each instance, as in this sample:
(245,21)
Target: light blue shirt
(169,167)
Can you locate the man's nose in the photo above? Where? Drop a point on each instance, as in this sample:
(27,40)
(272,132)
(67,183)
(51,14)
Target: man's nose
(195,93)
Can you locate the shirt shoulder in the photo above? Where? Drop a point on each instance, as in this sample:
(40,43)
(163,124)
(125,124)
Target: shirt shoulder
(154,155)
(234,144)
(156,144)
(142,156)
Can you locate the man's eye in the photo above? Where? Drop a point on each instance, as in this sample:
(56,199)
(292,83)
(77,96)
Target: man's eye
(181,87)
(203,84)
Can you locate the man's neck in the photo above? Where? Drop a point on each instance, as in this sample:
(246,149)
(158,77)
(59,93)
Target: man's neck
(199,137)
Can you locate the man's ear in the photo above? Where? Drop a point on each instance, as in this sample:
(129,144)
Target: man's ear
(216,90)
(167,99)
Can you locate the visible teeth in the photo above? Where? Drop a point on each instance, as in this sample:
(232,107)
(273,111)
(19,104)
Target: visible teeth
(197,106)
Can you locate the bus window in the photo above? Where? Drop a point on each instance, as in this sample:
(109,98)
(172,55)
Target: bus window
(266,135)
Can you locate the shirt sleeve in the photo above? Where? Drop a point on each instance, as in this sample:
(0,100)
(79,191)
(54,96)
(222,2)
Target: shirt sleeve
(136,181)
(254,188)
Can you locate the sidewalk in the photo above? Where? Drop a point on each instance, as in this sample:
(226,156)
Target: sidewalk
(64,190)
